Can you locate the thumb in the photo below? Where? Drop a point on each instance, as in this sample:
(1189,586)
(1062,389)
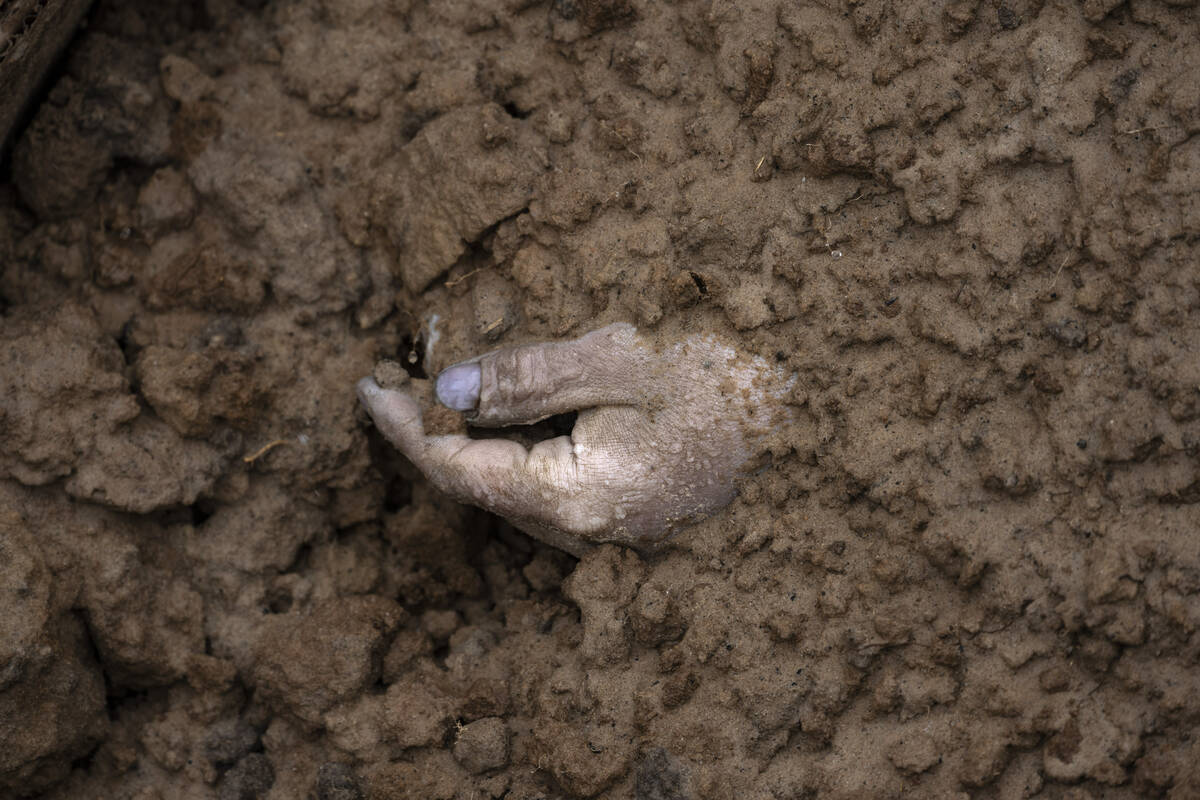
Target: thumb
(527,383)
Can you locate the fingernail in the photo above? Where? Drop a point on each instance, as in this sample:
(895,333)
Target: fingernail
(458,387)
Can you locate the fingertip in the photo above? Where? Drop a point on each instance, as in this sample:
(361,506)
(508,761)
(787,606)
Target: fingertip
(378,400)
(395,413)
(458,387)
(367,390)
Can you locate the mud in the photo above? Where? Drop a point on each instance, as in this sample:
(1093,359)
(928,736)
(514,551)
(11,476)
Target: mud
(972,569)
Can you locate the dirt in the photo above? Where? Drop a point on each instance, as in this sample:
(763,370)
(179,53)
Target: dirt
(972,569)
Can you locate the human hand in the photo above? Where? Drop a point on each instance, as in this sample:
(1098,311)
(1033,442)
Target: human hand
(661,437)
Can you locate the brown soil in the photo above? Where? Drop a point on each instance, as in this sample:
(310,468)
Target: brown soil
(972,570)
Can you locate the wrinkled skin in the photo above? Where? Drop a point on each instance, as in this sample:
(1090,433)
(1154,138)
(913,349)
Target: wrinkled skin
(661,437)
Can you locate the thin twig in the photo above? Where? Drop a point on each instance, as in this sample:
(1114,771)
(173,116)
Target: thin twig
(456,281)
(1056,274)
(1143,130)
(262,451)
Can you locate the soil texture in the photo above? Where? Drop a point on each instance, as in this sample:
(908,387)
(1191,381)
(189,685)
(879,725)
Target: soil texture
(970,570)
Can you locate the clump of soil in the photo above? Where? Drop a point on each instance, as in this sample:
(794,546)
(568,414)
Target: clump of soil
(972,568)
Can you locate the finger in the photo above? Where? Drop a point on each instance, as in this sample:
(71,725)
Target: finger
(395,414)
(457,464)
(535,488)
(524,384)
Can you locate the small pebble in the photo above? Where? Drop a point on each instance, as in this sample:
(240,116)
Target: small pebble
(390,374)
(482,745)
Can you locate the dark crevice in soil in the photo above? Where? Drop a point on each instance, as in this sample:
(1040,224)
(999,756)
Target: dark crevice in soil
(514,112)
(478,254)
(115,698)
(84,762)
(300,562)
(411,124)
(138,172)
(279,600)
(397,495)
(128,350)
(440,653)
(412,349)
(200,512)
(1186,496)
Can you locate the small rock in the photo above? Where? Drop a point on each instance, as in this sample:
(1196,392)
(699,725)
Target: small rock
(914,754)
(390,374)
(229,740)
(558,126)
(183,81)
(1070,332)
(415,714)
(659,777)
(166,201)
(337,782)
(248,780)
(482,745)
(1055,678)
(440,623)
